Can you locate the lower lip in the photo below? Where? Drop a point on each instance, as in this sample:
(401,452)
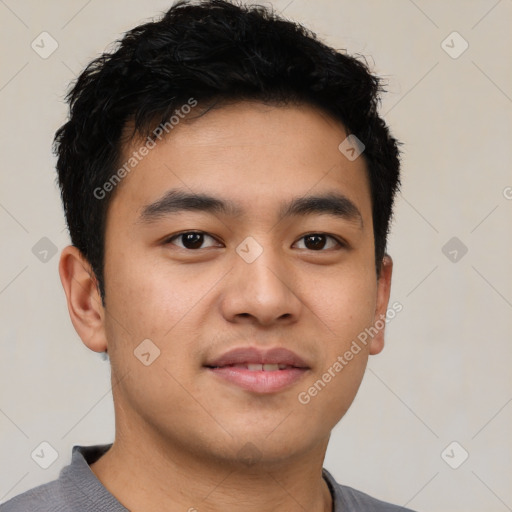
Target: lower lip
(260,381)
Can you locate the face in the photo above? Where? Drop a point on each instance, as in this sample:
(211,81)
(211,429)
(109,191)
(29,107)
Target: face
(248,297)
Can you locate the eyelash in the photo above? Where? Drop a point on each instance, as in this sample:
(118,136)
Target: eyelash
(341,244)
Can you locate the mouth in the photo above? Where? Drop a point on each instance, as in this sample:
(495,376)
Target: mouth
(255,367)
(257,370)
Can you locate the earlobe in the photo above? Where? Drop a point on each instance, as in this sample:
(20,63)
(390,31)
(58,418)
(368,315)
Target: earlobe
(383,293)
(84,301)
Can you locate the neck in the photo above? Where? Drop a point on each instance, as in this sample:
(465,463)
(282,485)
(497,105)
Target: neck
(162,476)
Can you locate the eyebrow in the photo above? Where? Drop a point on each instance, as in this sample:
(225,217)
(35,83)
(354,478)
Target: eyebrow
(176,201)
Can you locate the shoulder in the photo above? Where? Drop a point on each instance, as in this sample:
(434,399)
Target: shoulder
(39,499)
(351,500)
(76,489)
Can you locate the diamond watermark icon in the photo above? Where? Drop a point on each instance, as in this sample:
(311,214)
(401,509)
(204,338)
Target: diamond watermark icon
(44,455)
(454,45)
(454,455)
(249,250)
(351,147)
(44,250)
(454,249)
(146,352)
(44,45)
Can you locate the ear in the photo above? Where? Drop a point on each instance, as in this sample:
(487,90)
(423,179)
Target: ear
(383,291)
(83,298)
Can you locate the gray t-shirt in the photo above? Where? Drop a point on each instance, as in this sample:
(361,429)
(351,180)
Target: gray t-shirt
(78,490)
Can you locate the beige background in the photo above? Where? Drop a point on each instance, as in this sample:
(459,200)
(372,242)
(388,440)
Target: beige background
(445,373)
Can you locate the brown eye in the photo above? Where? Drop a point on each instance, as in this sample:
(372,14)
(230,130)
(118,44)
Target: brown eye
(190,239)
(319,241)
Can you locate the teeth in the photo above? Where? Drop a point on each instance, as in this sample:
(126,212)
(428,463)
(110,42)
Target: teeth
(255,367)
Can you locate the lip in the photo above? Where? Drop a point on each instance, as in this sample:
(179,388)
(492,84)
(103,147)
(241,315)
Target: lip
(259,381)
(253,355)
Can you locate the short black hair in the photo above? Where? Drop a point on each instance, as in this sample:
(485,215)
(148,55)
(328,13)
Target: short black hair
(211,51)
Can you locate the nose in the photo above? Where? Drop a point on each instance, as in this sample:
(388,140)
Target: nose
(262,291)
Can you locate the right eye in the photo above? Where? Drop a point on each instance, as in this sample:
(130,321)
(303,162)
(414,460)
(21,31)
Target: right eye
(192,240)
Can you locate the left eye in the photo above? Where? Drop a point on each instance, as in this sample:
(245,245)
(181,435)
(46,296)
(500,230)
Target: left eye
(319,241)
(190,239)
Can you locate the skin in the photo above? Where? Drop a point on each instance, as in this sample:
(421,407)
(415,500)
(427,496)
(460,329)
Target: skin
(181,432)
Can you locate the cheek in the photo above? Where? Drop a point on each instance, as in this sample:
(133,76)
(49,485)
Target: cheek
(346,307)
(158,302)
(346,303)
(150,297)
(147,308)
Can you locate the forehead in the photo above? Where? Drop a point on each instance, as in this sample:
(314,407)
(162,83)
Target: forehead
(249,152)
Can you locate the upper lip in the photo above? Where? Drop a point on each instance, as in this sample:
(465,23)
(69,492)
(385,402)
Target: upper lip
(253,355)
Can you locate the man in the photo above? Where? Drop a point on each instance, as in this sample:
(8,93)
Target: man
(228,187)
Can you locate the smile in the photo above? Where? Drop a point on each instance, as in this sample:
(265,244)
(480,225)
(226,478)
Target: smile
(257,370)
